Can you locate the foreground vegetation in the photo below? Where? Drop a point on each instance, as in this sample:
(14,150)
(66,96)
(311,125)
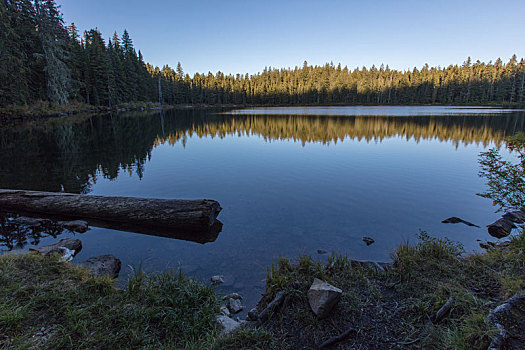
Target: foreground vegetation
(43,59)
(49,304)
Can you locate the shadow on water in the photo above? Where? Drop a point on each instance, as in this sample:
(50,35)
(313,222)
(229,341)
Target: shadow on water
(16,235)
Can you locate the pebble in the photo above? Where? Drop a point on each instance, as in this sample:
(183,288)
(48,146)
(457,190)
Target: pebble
(218,279)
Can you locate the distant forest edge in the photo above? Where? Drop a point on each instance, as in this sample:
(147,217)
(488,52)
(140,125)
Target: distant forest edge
(42,59)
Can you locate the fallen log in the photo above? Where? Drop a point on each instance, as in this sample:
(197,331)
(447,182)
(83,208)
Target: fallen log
(161,216)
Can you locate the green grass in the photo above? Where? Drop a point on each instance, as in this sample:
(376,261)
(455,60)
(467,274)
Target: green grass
(392,309)
(388,310)
(82,311)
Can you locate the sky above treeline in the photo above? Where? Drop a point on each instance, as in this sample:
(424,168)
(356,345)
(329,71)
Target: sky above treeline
(243,36)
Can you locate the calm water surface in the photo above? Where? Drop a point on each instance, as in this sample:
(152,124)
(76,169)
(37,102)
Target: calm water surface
(290,180)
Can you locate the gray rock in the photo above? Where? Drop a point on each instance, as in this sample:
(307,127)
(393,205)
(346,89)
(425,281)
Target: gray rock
(234,305)
(227,324)
(224,311)
(67,254)
(76,226)
(509,318)
(253,315)
(70,243)
(217,279)
(322,297)
(103,265)
(232,296)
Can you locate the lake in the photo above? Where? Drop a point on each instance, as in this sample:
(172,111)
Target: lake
(290,180)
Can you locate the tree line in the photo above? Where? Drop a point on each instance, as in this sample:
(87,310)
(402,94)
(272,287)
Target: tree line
(42,59)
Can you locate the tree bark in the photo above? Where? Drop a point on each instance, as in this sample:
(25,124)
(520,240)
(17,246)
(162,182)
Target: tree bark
(152,215)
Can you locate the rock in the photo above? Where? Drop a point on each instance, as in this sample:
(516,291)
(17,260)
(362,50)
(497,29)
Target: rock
(67,254)
(456,220)
(321,251)
(253,315)
(232,296)
(322,297)
(31,222)
(515,216)
(103,265)
(509,318)
(76,226)
(70,243)
(228,325)
(224,311)
(368,240)
(234,305)
(217,279)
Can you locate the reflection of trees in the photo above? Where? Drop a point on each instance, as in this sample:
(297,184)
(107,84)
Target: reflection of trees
(13,235)
(70,153)
(459,129)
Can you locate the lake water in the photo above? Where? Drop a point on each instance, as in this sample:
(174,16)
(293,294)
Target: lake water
(290,180)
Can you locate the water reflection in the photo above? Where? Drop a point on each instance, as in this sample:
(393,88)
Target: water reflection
(289,184)
(16,235)
(69,154)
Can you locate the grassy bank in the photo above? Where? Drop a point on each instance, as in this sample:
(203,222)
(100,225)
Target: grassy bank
(393,309)
(49,304)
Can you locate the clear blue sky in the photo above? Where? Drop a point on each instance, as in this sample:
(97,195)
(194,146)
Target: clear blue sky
(244,36)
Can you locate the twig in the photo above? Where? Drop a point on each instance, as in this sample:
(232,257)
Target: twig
(272,307)
(337,338)
(443,311)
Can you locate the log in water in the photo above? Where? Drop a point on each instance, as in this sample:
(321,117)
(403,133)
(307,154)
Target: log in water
(164,215)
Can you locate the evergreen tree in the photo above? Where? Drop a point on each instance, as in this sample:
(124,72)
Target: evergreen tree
(54,37)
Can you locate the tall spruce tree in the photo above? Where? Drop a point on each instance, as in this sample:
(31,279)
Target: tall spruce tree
(54,40)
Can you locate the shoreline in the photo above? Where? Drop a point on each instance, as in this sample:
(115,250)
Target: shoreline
(46,110)
(388,307)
